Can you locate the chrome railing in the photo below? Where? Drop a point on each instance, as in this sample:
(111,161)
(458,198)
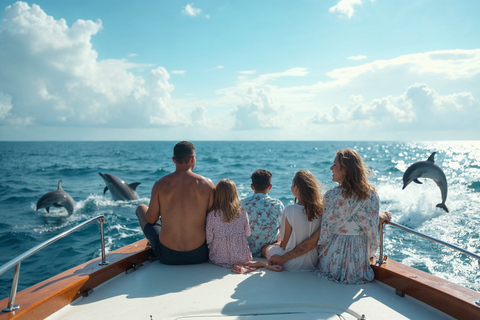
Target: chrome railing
(17,261)
(382,258)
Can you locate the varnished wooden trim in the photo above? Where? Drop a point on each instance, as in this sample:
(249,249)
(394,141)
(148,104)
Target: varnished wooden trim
(450,298)
(46,297)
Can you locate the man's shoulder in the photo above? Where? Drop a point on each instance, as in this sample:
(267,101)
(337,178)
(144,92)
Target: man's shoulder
(204,180)
(164,180)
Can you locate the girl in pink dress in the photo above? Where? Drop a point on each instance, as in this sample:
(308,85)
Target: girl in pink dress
(227,227)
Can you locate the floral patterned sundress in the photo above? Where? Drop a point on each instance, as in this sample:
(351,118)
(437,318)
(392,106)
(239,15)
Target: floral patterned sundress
(347,239)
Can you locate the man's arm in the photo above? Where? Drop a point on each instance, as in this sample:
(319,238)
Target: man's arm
(153,212)
(211,194)
(299,250)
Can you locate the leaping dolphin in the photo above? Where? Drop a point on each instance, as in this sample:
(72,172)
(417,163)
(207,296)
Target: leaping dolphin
(57,198)
(427,169)
(118,188)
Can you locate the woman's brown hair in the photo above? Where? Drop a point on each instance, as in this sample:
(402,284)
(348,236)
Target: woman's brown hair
(226,200)
(309,193)
(355,181)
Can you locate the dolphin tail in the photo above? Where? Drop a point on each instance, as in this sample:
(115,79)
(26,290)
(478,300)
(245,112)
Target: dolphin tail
(443,206)
(105,190)
(134,185)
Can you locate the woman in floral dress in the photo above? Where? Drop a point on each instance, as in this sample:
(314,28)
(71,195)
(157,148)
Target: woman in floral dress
(349,231)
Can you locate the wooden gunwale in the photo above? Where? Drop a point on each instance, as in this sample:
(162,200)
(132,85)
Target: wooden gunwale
(45,298)
(448,297)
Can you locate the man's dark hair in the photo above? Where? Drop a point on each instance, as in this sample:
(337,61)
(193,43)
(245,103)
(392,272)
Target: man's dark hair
(183,151)
(261,179)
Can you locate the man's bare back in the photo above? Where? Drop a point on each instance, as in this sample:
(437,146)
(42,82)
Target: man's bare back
(181,200)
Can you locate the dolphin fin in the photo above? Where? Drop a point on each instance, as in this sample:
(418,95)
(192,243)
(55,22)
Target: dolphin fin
(59,185)
(134,185)
(48,209)
(105,190)
(443,206)
(416,181)
(431,158)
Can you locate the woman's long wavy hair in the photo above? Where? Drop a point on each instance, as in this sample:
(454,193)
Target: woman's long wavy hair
(309,193)
(355,181)
(226,200)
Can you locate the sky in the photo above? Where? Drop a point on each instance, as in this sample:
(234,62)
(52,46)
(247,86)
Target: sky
(240,70)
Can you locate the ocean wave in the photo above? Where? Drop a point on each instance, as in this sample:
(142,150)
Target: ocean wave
(124,232)
(10,239)
(210,160)
(475,186)
(322,164)
(161,172)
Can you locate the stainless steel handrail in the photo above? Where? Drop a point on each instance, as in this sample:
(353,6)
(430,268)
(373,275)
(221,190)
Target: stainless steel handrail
(381,260)
(17,261)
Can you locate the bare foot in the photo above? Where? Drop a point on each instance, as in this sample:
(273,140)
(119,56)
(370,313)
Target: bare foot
(257,264)
(274,267)
(240,268)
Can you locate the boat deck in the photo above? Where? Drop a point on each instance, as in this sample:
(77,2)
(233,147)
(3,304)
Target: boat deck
(133,287)
(206,291)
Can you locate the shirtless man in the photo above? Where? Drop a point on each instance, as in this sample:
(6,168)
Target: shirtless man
(181,201)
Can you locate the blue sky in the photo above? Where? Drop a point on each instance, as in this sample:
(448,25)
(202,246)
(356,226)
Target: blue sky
(240,70)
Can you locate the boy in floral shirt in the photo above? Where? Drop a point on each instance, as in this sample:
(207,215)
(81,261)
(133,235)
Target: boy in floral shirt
(264,212)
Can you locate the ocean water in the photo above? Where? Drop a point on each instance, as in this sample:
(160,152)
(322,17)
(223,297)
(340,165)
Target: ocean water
(30,169)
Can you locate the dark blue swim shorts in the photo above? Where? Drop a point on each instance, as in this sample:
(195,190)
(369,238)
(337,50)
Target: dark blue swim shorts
(169,256)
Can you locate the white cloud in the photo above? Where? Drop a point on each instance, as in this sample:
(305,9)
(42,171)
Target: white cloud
(345,7)
(197,116)
(181,72)
(359,57)
(419,107)
(247,72)
(189,10)
(246,82)
(219,67)
(259,110)
(453,64)
(58,80)
(5,105)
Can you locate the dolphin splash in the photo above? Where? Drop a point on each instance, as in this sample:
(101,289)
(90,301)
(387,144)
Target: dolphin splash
(57,198)
(427,169)
(118,188)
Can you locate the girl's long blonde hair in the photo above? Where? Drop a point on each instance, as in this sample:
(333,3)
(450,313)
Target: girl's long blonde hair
(309,193)
(226,200)
(355,181)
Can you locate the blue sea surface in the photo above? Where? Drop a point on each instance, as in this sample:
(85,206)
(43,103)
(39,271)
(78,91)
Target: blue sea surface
(30,169)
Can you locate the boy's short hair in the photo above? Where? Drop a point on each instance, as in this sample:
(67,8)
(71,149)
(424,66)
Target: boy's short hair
(183,151)
(261,179)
